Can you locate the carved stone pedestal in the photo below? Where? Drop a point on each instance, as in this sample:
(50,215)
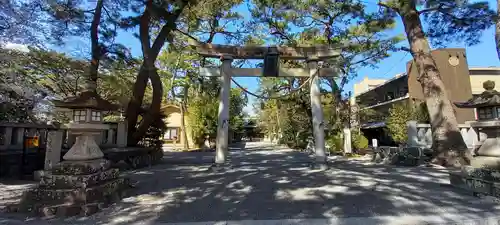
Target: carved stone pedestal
(74,188)
(488,155)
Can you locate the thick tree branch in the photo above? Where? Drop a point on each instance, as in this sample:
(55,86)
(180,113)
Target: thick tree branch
(144,35)
(388,6)
(96,48)
(166,30)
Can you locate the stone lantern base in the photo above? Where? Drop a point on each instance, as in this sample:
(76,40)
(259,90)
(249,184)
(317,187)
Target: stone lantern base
(74,188)
(80,185)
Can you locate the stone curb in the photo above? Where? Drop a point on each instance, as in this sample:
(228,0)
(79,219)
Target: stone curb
(444,219)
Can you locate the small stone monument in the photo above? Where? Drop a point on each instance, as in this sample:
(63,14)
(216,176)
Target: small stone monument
(483,175)
(347,141)
(83,182)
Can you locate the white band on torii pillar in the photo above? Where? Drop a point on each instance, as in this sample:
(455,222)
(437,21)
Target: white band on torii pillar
(317,112)
(222,141)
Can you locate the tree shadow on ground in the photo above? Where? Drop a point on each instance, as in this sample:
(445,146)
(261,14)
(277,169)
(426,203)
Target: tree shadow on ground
(265,185)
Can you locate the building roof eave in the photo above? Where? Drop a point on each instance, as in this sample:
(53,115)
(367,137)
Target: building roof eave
(407,96)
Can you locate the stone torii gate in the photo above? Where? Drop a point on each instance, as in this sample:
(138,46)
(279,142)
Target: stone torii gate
(271,57)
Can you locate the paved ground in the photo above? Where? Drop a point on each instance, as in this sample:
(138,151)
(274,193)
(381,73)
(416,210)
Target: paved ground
(277,187)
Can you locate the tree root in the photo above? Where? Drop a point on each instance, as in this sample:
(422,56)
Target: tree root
(452,158)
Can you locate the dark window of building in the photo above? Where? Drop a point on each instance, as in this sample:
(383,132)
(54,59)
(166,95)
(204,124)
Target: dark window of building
(389,96)
(403,92)
(498,112)
(486,113)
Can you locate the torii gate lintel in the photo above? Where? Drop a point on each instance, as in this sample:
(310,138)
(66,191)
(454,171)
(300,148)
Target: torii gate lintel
(319,52)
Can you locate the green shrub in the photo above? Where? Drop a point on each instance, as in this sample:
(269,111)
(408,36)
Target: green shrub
(336,143)
(359,141)
(400,114)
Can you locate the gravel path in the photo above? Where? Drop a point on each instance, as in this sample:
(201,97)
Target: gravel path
(274,185)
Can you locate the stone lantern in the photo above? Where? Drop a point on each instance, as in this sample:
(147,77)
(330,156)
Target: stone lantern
(84,181)
(483,174)
(487,105)
(87,111)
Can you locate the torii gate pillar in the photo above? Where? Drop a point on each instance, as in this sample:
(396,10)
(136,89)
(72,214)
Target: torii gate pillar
(317,116)
(222,140)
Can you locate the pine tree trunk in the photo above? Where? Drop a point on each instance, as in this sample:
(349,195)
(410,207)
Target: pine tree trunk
(183,119)
(448,144)
(153,112)
(497,30)
(135,104)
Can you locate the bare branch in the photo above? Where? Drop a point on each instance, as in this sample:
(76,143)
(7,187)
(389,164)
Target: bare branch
(187,35)
(213,28)
(405,49)
(432,9)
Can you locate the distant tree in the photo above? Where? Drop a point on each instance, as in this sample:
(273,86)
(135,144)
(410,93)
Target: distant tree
(367,115)
(20,90)
(23,22)
(204,109)
(39,75)
(399,116)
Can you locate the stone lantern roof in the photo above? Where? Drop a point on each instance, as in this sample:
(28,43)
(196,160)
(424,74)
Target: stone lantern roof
(86,100)
(489,98)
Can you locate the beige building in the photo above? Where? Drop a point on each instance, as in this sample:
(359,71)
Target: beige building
(173,133)
(461,82)
(367,84)
(478,75)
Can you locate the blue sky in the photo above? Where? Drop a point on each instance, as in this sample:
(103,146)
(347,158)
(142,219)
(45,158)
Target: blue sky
(481,55)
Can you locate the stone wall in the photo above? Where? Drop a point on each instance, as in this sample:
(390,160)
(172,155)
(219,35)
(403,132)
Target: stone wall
(420,135)
(19,155)
(481,137)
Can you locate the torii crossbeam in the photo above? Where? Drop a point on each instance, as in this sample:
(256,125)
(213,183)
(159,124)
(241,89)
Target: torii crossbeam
(226,53)
(259,52)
